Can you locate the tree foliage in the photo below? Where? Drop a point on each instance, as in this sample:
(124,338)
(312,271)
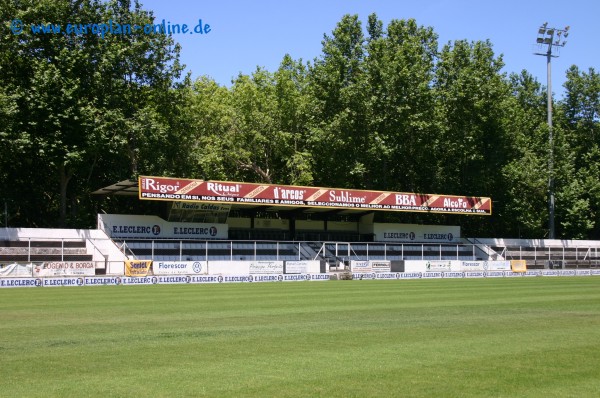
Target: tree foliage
(382,107)
(84,109)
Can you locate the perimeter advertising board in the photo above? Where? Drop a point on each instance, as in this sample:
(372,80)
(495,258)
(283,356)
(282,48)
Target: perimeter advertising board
(137,268)
(180,189)
(438,266)
(455,266)
(360,266)
(295,267)
(65,268)
(16,270)
(469,266)
(498,265)
(60,282)
(265,267)
(380,266)
(302,267)
(518,265)
(179,267)
(185,279)
(370,267)
(20,282)
(485,266)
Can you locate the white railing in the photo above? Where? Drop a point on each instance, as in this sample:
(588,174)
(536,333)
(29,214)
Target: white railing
(107,253)
(182,250)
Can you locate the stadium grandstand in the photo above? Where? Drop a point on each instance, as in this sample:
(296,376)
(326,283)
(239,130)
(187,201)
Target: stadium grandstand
(265,228)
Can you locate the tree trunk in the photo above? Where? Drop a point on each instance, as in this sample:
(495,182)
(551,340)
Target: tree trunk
(65,176)
(265,175)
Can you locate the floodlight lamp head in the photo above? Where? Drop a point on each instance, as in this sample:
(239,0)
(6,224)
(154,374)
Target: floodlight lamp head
(567,28)
(540,40)
(545,24)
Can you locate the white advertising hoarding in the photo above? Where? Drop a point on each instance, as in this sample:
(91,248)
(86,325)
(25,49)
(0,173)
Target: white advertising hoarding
(360,266)
(102,281)
(302,267)
(266,267)
(153,227)
(179,268)
(498,265)
(416,233)
(438,266)
(65,268)
(59,282)
(16,270)
(229,267)
(20,282)
(433,266)
(455,266)
(380,266)
(468,266)
(485,266)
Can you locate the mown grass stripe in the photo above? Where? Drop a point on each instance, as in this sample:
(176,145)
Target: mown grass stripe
(466,337)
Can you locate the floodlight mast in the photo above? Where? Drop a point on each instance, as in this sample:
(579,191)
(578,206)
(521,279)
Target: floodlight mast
(546,36)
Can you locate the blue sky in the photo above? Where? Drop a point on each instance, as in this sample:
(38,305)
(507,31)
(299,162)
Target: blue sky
(247,34)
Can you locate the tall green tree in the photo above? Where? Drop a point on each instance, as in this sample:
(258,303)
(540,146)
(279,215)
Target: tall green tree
(523,208)
(90,108)
(381,108)
(401,123)
(338,86)
(212,118)
(256,130)
(471,93)
(294,115)
(578,119)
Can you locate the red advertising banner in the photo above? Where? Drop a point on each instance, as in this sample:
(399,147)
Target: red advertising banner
(181,189)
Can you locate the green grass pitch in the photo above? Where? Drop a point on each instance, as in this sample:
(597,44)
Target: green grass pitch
(517,337)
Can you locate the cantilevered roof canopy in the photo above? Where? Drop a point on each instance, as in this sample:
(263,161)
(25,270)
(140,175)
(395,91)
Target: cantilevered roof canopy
(286,198)
(125,187)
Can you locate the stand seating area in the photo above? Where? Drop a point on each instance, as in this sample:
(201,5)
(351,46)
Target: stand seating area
(395,251)
(188,250)
(175,250)
(539,254)
(552,257)
(43,251)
